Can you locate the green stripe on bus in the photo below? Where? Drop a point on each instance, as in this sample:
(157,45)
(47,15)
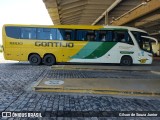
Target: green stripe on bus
(87,50)
(101,50)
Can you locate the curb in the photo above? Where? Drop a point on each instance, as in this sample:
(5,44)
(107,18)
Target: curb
(87,69)
(61,89)
(102,92)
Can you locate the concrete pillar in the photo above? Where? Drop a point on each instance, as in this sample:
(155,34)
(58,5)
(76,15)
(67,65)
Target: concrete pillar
(106,18)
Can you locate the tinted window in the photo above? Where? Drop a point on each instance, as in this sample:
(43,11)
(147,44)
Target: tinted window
(69,34)
(13,32)
(86,35)
(60,34)
(122,36)
(28,33)
(90,35)
(46,34)
(105,36)
(81,34)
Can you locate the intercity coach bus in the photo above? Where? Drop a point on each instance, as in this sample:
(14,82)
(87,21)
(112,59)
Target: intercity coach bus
(40,44)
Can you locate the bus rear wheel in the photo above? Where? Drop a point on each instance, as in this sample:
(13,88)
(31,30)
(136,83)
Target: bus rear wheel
(35,59)
(126,61)
(49,60)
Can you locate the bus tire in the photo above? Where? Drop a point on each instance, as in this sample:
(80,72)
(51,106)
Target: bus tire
(35,59)
(126,61)
(49,60)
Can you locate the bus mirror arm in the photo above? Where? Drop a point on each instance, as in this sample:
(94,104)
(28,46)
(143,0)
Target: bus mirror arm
(151,39)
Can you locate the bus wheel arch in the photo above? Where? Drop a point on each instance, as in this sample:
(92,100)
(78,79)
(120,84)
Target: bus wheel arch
(126,60)
(34,59)
(49,59)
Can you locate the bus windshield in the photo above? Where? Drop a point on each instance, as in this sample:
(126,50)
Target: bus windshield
(143,42)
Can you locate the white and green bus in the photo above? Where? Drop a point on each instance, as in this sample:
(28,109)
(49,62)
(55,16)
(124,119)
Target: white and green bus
(77,43)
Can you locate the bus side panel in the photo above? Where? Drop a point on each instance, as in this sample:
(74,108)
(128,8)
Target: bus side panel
(143,57)
(12,49)
(72,51)
(13,54)
(107,55)
(125,49)
(97,52)
(41,48)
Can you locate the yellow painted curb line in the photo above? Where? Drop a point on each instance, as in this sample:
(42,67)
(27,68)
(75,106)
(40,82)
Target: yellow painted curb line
(87,69)
(95,91)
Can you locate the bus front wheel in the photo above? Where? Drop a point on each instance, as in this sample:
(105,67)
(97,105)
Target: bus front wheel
(35,59)
(49,60)
(126,61)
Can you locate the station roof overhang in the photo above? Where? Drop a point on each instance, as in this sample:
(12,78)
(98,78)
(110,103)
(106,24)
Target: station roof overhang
(144,14)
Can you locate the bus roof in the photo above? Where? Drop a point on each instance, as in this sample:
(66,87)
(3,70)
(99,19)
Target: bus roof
(125,27)
(93,27)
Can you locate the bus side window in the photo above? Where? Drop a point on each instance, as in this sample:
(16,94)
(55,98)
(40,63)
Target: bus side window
(109,38)
(103,36)
(128,39)
(122,36)
(81,35)
(69,34)
(46,34)
(60,34)
(138,39)
(96,35)
(90,36)
(53,34)
(86,35)
(28,33)
(114,36)
(13,32)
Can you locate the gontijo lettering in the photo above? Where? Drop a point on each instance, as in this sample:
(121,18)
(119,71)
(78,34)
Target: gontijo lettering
(54,44)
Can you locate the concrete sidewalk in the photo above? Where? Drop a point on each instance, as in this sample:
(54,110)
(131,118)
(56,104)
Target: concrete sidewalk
(102,86)
(130,86)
